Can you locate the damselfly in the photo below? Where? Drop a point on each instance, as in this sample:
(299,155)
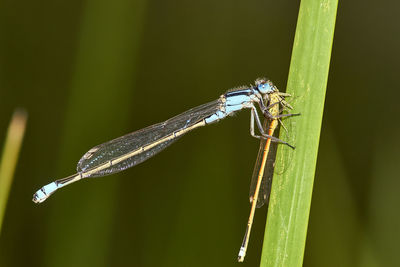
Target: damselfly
(131,149)
(261,181)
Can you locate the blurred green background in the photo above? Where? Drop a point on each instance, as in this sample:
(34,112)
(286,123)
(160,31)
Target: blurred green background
(90,71)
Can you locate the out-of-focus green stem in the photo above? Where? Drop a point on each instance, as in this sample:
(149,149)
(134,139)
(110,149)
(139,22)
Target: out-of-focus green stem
(9,159)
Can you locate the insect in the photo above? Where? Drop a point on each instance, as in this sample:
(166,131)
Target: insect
(131,149)
(261,181)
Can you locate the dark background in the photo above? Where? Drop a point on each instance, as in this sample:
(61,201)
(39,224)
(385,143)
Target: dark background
(89,71)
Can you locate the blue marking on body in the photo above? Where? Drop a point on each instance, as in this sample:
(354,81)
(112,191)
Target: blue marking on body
(246,91)
(50,188)
(219,115)
(237,100)
(39,195)
(231,109)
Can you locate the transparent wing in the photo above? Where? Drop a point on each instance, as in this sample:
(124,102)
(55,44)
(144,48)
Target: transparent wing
(266,182)
(124,145)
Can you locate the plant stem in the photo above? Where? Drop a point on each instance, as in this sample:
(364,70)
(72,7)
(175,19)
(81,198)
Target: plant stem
(12,145)
(290,199)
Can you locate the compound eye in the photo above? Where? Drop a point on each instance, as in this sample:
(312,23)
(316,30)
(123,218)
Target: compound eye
(265,88)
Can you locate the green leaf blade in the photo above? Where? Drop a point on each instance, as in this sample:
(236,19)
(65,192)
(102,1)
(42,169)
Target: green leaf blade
(290,200)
